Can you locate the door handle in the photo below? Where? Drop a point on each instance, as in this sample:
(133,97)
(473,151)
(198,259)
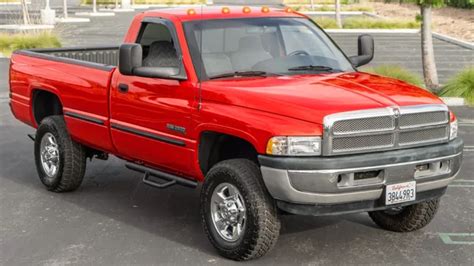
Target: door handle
(123,88)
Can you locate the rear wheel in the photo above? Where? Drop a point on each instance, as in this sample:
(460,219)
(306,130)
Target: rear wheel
(60,161)
(406,219)
(238,215)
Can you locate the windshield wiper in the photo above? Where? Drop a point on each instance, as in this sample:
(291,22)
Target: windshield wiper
(244,74)
(311,67)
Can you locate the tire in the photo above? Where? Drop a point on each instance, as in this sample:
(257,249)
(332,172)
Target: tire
(68,156)
(408,219)
(261,226)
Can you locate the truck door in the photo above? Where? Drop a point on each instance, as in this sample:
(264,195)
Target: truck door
(150,117)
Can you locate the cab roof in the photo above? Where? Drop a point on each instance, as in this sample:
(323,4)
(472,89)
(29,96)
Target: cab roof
(221,12)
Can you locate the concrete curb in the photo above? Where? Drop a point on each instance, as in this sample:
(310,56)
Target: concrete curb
(95,14)
(72,20)
(411,31)
(117,10)
(146,6)
(446,38)
(453,101)
(16,27)
(354,13)
(14,3)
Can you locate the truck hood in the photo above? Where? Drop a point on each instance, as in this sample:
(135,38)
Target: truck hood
(311,97)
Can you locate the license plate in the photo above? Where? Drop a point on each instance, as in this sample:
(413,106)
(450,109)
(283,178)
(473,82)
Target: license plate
(401,192)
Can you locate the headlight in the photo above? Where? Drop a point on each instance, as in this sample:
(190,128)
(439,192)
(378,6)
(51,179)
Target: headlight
(294,146)
(453,130)
(453,127)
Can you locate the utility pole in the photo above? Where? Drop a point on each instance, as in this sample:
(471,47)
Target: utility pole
(65,8)
(26,15)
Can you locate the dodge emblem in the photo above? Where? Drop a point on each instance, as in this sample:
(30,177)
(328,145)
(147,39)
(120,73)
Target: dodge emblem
(396,112)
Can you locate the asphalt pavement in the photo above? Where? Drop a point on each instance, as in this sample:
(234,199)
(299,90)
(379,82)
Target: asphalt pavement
(114,219)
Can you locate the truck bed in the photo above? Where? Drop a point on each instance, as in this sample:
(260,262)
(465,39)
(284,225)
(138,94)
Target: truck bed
(97,57)
(80,77)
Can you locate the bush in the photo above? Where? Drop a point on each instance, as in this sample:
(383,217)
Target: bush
(326,23)
(12,42)
(397,72)
(461,3)
(461,85)
(373,23)
(367,23)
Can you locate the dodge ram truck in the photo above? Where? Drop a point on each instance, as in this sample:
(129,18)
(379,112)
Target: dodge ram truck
(255,106)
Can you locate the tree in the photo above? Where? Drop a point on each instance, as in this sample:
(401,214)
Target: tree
(26,15)
(430,73)
(338,14)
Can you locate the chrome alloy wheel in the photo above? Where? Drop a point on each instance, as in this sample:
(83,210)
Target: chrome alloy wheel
(228,212)
(49,155)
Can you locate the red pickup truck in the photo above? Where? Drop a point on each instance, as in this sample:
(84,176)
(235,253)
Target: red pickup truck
(257,104)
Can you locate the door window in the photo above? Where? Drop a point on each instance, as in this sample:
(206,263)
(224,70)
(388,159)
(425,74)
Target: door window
(158,46)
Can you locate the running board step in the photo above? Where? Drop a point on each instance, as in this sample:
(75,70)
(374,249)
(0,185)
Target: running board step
(169,179)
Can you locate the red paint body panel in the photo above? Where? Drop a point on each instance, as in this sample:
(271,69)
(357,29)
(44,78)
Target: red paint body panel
(254,109)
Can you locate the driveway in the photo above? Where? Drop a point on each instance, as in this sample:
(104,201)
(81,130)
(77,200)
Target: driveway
(114,219)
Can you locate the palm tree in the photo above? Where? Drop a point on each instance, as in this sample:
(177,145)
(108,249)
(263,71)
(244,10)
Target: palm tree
(338,14)
(427,52)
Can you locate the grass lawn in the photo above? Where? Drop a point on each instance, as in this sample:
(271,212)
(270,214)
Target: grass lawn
(160,2)
(361,8)
(367,23)
(396,72)
(12,42)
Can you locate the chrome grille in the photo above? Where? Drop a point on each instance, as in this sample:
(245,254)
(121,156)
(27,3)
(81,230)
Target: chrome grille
(363,125)
(423,135)
(385,129)
(362,142)
(423,119)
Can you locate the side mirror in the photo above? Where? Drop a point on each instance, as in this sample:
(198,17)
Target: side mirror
(130,57)
(130,64)
(365,47)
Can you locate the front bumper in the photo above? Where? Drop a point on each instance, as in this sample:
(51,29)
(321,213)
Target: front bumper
(358,179)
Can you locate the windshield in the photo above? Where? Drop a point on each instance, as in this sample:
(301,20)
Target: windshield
(262,46)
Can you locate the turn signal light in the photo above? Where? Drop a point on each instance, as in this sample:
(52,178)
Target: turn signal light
(288,10)
(225,10)
(191,12)
(265,9)
(246,10)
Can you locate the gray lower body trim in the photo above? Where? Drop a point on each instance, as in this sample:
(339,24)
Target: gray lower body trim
(346,185)
(148,135)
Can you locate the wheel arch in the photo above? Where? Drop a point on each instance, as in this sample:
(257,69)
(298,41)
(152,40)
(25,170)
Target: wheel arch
(216,146)
(44,103)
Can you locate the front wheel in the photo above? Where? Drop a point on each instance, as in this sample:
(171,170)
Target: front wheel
(238,215)
(406,219)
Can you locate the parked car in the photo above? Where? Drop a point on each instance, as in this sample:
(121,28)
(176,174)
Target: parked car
(257,104)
